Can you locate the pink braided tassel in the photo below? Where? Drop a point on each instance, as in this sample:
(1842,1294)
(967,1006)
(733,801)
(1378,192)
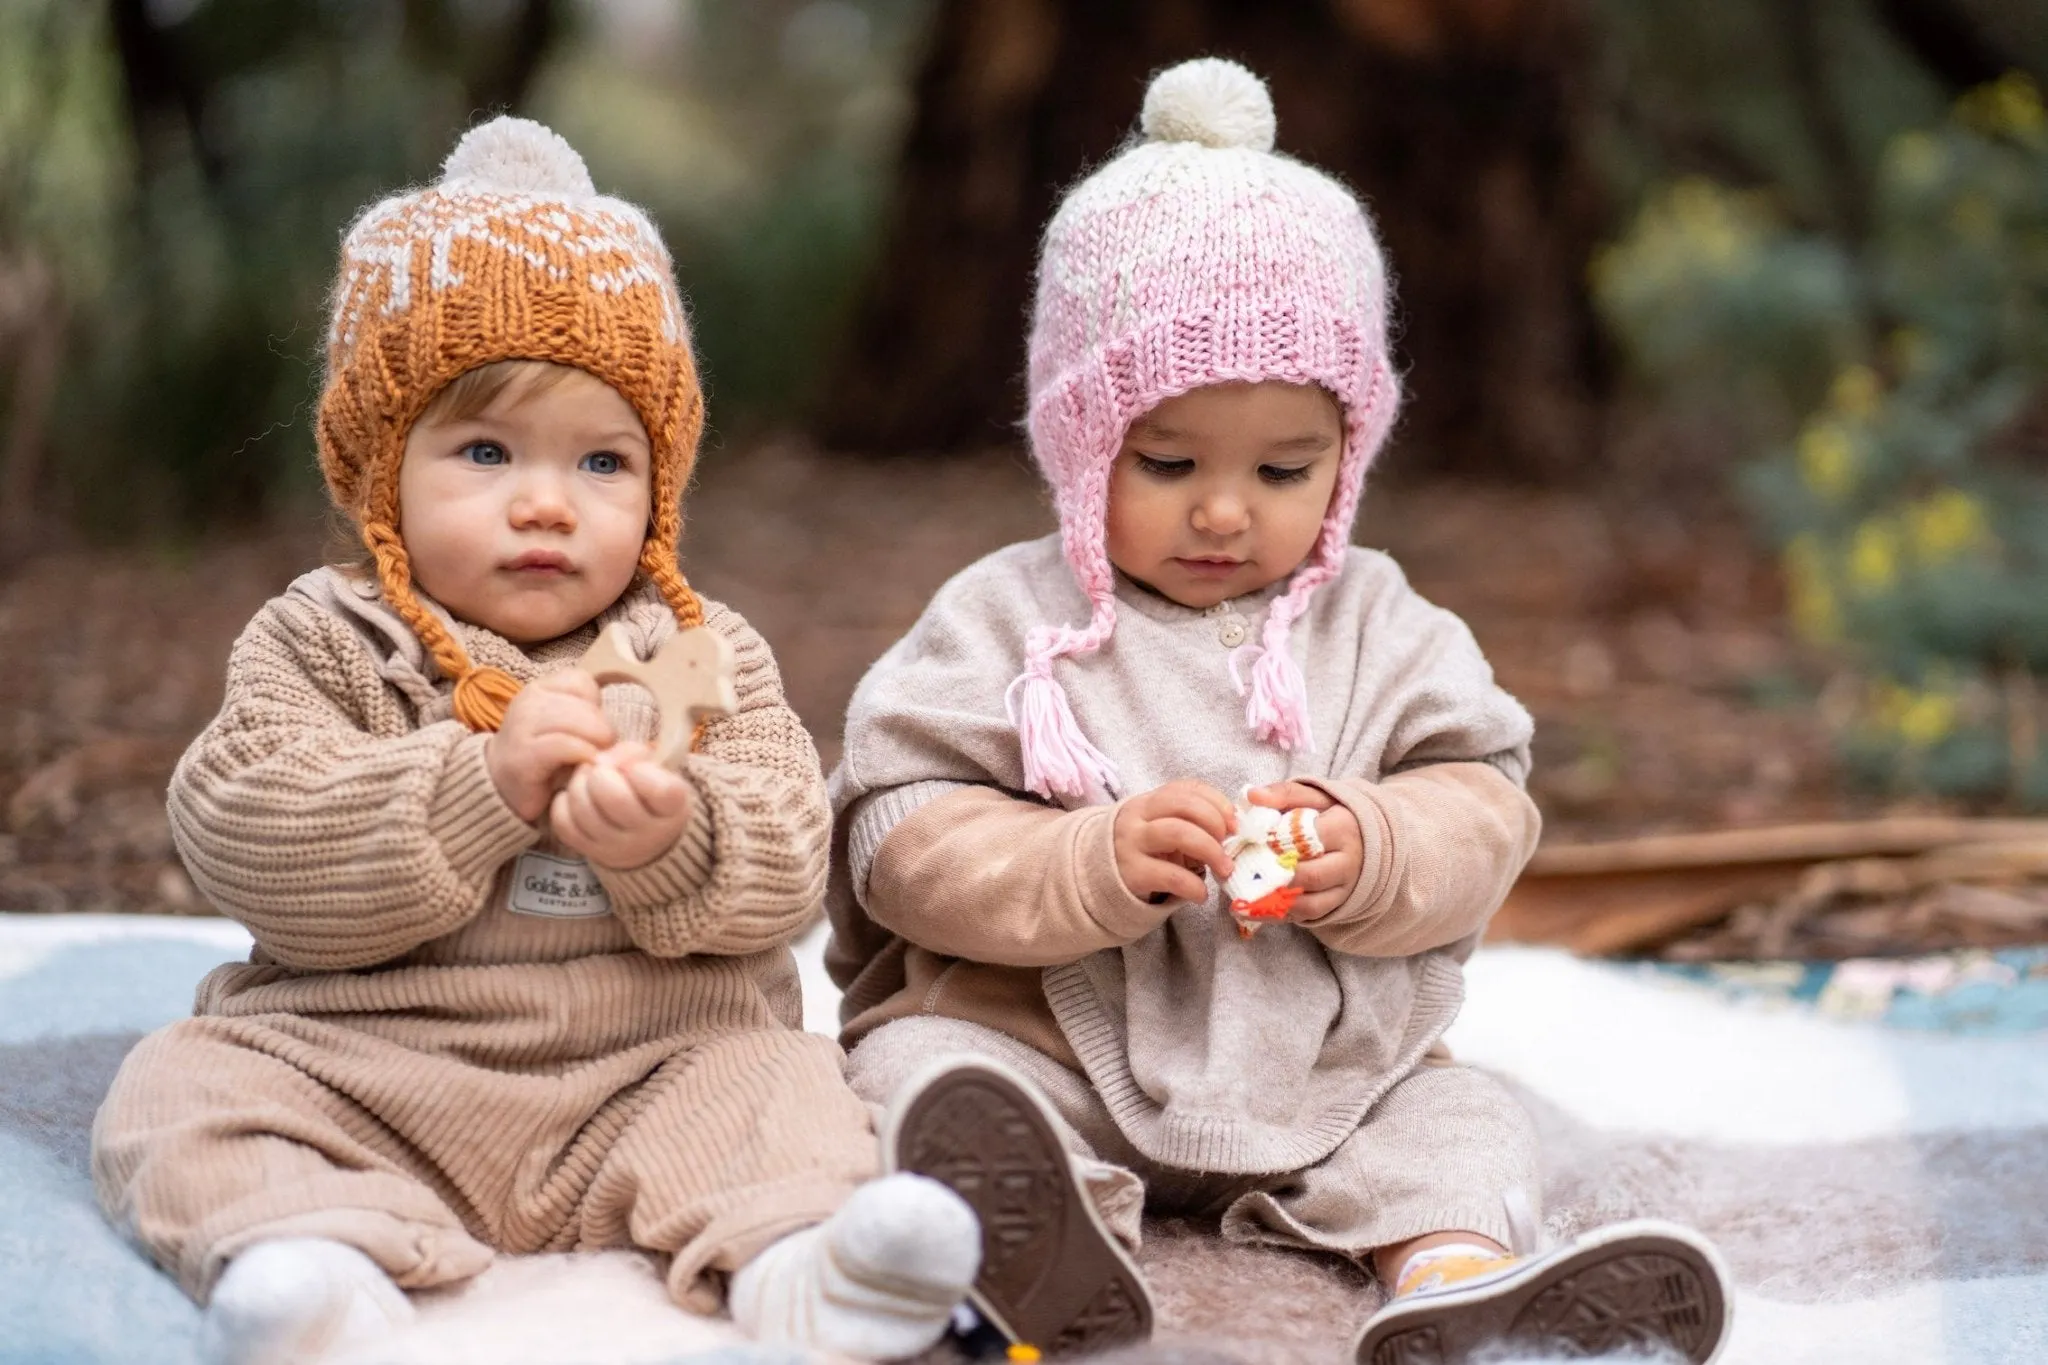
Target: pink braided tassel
(1277,707)
(1058,759)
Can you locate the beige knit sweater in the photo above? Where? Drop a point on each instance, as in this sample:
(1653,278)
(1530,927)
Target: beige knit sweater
(336,808)
(1212,1053)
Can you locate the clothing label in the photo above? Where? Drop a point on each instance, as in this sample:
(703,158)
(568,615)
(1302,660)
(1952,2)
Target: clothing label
(558,888)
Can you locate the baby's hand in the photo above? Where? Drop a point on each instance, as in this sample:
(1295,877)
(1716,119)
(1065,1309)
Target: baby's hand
(553,724)
(621,809)
(1326,880)
(1164,837)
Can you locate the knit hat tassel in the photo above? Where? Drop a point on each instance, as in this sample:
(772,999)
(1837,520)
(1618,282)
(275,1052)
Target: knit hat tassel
(1058,759)
(1277,705)
(481,696)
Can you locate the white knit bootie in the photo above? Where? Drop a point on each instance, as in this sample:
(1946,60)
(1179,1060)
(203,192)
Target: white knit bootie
(878,1279)
(295,1299)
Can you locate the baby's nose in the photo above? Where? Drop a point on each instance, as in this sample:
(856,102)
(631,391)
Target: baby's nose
(1220,514)
(542,501)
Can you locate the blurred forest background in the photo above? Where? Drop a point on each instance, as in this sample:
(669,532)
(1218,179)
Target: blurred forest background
(1723,322)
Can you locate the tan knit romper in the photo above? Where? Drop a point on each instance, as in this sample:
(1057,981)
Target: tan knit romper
(410,1067)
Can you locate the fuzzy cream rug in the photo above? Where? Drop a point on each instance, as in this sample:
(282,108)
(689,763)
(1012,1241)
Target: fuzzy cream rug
(1881,1195)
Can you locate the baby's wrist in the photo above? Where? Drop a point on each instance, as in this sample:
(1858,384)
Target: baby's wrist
(650,843)
(523,804)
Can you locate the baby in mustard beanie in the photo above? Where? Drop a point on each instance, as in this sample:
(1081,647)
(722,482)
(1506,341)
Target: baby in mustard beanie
(517,986)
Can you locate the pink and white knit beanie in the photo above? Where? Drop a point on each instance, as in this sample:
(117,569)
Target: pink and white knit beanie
(1197,256)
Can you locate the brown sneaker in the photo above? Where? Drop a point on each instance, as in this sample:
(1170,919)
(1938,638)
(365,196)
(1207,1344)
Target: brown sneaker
(1643,1286)
(1052,1278)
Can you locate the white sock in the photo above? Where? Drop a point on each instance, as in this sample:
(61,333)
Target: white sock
(296,1298)
(877,1279)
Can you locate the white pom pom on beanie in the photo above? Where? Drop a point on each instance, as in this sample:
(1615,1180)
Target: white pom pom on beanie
(515,156)
(1287,283)
(1210,101)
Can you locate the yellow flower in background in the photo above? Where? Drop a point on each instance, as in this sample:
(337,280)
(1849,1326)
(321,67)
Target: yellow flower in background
(1928,719)
(1974,218)
(1908,347)
(1857,392)
(1916,159)
(1683,239)
(1827,460)
(1707,222)
(1947,524)
(2009,106)
(1810,591)
(1874,554)
(1920,716)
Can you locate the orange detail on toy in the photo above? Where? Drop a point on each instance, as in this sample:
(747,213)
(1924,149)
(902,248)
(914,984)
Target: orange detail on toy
(1272,905)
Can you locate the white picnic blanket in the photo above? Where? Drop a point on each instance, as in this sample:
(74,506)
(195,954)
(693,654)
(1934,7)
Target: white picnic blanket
(1881,1194)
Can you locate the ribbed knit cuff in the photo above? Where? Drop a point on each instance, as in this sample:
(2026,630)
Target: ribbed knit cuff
(467,817)
(676,874)
(1376,853)
(1108,901)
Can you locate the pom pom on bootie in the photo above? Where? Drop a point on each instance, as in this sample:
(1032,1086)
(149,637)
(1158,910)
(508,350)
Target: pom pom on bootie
(1266,847)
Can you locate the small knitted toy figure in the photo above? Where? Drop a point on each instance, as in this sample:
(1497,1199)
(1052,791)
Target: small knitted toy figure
(1265,849)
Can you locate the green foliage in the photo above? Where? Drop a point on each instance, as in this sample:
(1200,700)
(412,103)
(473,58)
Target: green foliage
(1914,533)
(61,166)
(1717,297)
(195,253)
(760,143)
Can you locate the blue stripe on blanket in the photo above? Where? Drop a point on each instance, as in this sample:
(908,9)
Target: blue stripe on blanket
(1976,992)
(71,1291)
(120,985)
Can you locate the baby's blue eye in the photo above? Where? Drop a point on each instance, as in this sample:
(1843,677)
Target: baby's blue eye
(485,453)
(603,462)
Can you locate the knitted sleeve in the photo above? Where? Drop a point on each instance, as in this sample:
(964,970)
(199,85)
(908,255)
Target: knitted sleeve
(1443,845)
(748,872)
(1042,882)
(312,811)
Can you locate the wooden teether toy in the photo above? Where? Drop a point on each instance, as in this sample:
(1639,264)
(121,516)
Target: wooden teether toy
(1267,845)
(690,677)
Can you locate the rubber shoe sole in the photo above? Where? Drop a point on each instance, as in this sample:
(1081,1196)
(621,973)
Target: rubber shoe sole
(1052,1277)
(1641,1286)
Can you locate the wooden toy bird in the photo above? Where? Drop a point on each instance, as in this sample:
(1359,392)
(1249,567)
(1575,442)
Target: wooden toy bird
(691,677)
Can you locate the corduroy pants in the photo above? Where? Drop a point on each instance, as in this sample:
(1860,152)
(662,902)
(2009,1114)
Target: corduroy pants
(223,1131)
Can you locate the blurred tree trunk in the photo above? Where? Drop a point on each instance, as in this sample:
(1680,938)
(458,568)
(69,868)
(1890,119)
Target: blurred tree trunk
(1947,40)
(33,324)
(1460,121)
(172,74)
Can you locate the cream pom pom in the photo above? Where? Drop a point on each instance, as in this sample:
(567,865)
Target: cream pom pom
(516,156)
(1211,101)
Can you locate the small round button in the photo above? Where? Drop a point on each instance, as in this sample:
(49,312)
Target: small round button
(1219,609)
(1232,634)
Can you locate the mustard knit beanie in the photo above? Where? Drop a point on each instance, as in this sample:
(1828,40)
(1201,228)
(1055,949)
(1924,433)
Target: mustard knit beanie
(511,255)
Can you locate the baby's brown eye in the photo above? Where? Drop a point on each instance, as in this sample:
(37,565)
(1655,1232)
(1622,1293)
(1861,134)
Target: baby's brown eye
(1283,474)
(1165,469)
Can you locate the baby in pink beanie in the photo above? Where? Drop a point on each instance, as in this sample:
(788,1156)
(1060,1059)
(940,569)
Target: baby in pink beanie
(1045,987)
